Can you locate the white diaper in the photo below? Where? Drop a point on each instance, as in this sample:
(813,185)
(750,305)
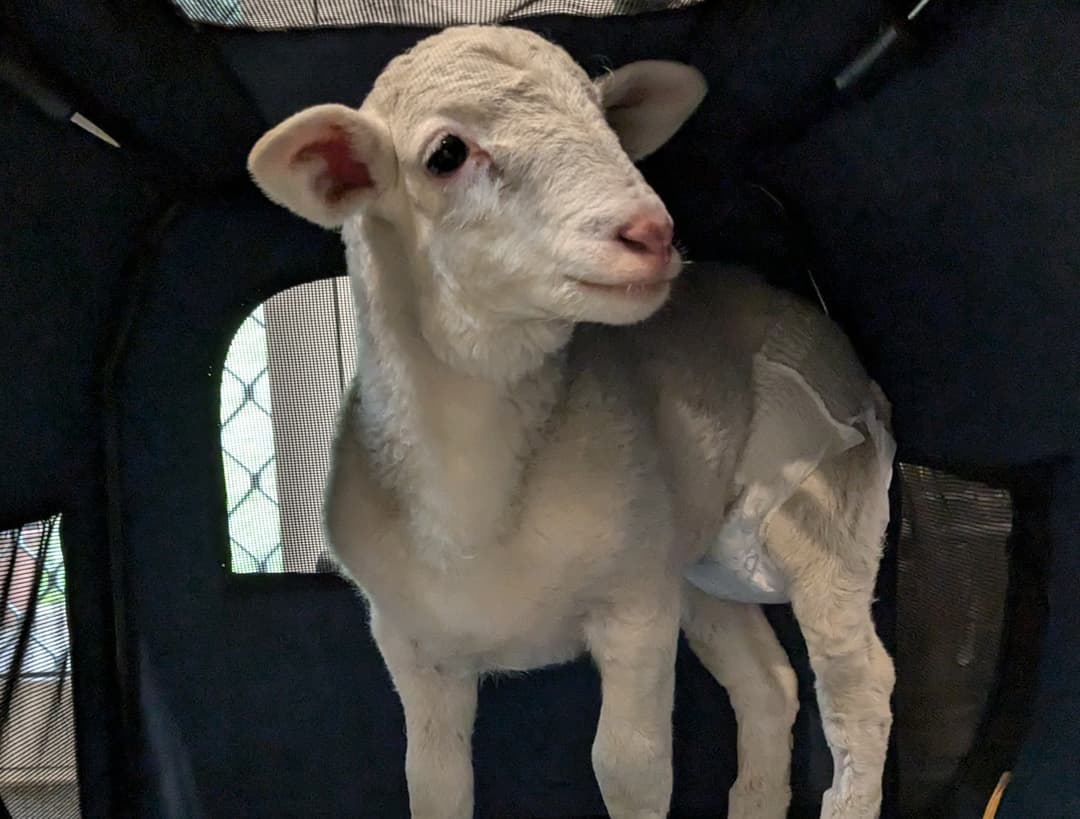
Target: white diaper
(810,398)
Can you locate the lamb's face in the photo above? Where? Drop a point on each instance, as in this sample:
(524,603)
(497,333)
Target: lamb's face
(507,168)
(524,201)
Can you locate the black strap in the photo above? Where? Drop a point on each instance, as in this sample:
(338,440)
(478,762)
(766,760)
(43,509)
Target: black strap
(902,41)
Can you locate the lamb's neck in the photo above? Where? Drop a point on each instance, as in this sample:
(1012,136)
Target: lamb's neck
(454,439)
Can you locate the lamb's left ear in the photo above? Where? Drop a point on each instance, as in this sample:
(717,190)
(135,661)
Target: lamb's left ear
(325,163)
(647,102)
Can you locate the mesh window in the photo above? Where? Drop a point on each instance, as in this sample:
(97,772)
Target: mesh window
(37,722)
(284,375)
(280,14)
(951,592)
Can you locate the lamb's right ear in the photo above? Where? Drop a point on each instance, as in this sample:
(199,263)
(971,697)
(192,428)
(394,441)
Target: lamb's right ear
(325,163)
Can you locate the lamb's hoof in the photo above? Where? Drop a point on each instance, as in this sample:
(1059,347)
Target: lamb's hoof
(850,805)
(758,802)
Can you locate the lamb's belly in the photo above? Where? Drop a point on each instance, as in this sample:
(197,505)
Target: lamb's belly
(488,646)
(530,654)
(479,625)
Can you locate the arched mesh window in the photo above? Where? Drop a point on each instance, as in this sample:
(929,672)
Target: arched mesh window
(285,371)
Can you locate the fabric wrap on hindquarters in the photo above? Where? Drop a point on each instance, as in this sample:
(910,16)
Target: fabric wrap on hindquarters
(812,402)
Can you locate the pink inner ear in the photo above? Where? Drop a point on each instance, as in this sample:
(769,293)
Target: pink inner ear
(345,172)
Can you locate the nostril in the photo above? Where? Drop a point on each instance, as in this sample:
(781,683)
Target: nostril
(633,244)
(647,234)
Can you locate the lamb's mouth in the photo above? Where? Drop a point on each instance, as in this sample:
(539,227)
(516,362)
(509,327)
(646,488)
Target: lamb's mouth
(629,289)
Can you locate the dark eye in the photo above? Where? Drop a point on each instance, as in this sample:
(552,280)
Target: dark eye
(448,156)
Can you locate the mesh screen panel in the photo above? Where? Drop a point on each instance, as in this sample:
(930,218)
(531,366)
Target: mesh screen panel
(37,722)
(284,375)
(951,592)
(280,14)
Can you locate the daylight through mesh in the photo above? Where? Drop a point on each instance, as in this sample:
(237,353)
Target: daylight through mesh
(284,375)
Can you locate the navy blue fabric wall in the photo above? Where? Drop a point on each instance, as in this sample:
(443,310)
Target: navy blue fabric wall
(940,221)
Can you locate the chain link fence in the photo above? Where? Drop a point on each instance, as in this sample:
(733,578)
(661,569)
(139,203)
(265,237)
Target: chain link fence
(281,389)
(247,451)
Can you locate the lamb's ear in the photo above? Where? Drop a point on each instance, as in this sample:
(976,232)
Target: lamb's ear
(647,102)
(325,163)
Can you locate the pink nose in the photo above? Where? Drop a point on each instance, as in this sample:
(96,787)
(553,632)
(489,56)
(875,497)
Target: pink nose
(648,233)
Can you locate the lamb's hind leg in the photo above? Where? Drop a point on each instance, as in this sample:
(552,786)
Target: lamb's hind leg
(828,539)
(737,645)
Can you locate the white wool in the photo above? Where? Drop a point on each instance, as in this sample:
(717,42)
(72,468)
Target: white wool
(546,431)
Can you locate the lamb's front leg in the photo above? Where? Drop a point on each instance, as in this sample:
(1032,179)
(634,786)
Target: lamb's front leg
(440,709)
(634,650)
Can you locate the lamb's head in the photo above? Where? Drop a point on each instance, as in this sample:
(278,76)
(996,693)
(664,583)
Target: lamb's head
(507,171)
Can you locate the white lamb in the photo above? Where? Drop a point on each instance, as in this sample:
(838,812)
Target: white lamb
(546,437)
